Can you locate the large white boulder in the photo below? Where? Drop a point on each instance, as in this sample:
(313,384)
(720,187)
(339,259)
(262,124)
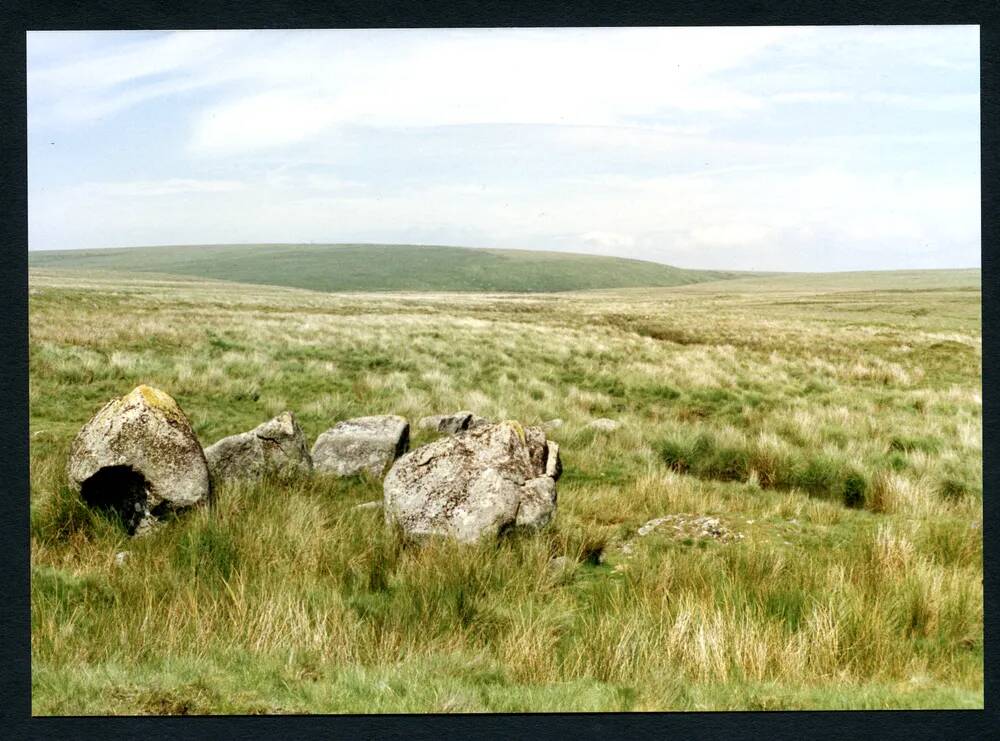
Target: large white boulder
(475,484)
(139,457)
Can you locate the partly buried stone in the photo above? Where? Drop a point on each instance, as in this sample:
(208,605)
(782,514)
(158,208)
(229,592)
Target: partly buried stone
(277,445)
(139,458)
(452,424)
(363,444)
(604,424)
(477,423)
(690,526)
(552,424)
(560,567)
(475,484)
(449,424)
(559,563)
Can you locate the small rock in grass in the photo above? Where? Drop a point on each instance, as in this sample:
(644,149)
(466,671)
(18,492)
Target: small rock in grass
(121,557)
(377,504)
(552,424)
(147,525)
(603,424)
(650,526)
(559,564)
(691,526)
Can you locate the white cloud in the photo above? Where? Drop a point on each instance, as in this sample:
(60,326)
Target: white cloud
(667,144)
(729,235)
(607,240)
(582,77)
(935,102)
(265,120)
(813,96)
(146,188)
(90,84)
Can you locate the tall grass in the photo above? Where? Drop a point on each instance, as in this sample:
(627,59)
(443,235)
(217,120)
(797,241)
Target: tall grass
(857,582)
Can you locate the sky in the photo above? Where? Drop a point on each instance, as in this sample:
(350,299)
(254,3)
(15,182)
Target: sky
(779,148)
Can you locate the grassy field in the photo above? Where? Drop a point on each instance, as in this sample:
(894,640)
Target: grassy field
(382,267)
(835,422)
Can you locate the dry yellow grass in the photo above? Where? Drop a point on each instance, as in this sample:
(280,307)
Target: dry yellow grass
(838,429)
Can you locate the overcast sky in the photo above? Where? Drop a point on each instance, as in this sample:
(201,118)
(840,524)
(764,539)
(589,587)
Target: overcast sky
(749,148)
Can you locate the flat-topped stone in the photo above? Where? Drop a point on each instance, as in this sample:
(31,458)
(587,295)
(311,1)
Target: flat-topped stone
(363,444)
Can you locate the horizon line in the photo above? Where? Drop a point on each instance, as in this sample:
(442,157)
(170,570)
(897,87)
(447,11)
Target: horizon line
(506,249)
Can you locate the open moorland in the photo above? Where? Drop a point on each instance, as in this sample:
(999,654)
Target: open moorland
(828,426)
(383,267)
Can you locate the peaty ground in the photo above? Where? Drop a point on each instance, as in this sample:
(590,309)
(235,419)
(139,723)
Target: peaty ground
(832,421)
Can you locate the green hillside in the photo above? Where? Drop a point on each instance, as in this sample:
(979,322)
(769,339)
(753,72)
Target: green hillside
(359,267)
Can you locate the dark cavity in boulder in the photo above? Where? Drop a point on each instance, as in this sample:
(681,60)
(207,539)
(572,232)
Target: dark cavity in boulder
(119,491)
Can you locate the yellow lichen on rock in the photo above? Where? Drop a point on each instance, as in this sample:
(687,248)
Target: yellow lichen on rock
(156,399)
(517,428)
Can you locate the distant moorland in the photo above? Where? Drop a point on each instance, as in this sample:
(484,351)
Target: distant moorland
(383,267)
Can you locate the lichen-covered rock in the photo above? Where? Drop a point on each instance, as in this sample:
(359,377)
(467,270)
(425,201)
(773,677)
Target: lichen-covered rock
(534,438)
(364,444)
(139,457)
(473,485)
(277,445)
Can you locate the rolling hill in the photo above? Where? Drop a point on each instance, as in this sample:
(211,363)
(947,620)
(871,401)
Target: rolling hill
(356,267)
